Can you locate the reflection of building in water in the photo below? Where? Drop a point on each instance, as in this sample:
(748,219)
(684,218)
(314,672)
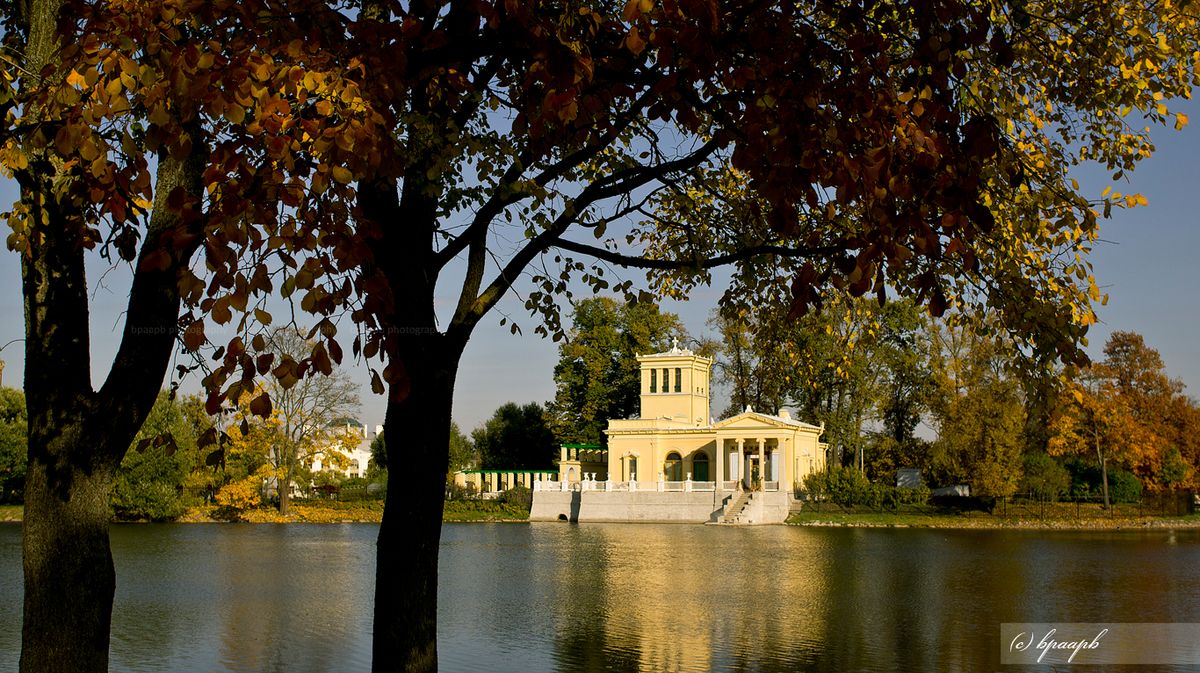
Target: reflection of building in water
(675,464)
(653,604)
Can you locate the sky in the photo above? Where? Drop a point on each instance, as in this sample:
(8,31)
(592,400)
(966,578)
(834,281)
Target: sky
(1147,264)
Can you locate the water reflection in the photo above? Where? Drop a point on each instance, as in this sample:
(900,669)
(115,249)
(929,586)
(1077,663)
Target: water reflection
(559,597)
(688,598)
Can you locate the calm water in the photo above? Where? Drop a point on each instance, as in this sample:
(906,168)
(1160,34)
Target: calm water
(558,597)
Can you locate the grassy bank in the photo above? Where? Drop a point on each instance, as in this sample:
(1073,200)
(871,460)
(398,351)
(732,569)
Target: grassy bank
(367,511)
(935,519)
(10,513)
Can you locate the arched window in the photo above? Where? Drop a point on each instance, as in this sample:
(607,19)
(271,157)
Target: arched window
(673,468)
(700,466)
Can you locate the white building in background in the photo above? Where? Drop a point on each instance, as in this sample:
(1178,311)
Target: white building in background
(359,457)
(675,463)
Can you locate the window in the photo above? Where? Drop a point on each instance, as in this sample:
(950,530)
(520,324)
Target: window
(673,467)
(633,469)
(678,380)
(666,381)
(700,466)
(654,380)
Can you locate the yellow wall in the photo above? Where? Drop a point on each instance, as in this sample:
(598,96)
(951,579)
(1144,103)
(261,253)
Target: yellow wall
(689,405)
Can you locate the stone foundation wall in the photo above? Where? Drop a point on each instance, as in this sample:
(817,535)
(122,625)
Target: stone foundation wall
(647,506)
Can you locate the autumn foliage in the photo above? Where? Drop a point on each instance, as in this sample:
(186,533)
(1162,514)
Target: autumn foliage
(347,156)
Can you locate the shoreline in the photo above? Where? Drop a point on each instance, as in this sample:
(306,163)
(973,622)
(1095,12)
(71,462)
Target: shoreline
(474,513)
(959,522)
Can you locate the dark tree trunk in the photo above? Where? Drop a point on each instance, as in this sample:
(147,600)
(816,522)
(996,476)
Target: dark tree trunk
(406,579)
(69,576)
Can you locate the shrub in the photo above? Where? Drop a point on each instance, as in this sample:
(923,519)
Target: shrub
(846,486)
(913,496)
(1086,481)
(518,496)
(235,498)
(1123,486)
(1044,478)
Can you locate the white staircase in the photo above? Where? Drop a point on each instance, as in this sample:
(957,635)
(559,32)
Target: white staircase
(735,508)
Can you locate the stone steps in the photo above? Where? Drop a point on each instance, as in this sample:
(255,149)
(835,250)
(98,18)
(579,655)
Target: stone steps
(734,510)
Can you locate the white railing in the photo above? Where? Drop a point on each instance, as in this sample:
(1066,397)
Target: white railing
(592,484)
(770,486)
(729,485)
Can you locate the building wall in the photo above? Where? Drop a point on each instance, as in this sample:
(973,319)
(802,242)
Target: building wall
(653,506)
(612,506)
(690,405)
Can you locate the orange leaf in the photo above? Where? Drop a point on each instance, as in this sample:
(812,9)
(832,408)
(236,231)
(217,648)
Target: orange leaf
(634,42)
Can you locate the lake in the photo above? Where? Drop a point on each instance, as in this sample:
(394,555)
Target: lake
(526,598)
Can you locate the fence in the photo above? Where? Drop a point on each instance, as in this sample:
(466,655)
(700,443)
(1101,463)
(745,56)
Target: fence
(1021,507)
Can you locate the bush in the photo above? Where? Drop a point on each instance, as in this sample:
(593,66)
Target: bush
(1044,478)
(1124,486)
(148,500)
(914,496)
(846,486)
(517,496)
(234,499)
(1087,481)
(148,486)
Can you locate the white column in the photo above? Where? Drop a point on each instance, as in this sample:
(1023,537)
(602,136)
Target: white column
(719,461)
(775,455)
(735,462)
(762,462)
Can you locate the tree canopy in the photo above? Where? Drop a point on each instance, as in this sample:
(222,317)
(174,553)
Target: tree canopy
(516,437)
(349,155)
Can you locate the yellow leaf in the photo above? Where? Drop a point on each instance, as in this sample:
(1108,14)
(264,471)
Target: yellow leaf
(1181,120)
(75,79)
(236,114)
(159,116)
(342,174)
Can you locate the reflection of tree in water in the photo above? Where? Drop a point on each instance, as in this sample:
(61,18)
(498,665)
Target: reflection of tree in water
(146,622)
(288,600)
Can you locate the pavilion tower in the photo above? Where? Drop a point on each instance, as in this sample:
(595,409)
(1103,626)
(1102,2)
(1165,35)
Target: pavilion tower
(675,386)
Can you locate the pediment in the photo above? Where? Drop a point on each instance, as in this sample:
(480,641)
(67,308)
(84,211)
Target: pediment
(749,420)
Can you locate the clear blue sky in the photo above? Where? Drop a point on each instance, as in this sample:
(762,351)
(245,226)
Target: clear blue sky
(1146,267)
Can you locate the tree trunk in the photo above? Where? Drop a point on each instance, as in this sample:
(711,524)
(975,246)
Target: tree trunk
(417,428)
(284,486)
(1103,472)
(69,576)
